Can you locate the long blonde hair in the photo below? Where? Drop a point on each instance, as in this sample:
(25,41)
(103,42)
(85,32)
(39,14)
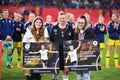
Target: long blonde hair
(40,35)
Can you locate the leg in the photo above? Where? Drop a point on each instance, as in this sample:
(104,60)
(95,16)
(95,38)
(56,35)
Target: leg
(29,77)
(108,56)
(86,75)
(101,52)
(11,58)
(65,76)
(19,57)
(55,77)
(9,51)
(116,56)
(102,46)
(36,76)
(80,75)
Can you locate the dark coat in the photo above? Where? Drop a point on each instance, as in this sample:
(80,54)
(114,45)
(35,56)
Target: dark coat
(56,36)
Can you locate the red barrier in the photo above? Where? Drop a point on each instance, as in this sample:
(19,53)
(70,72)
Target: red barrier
(94,13)
(0,59)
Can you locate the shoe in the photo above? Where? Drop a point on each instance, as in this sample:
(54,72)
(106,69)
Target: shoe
(107,66)
(18,65)
(44,67)
(9,67)
(117,66)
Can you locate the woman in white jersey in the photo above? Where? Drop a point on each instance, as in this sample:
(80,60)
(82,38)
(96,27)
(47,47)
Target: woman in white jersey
(73,54)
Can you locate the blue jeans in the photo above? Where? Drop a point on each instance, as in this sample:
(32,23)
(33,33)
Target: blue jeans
(83,75)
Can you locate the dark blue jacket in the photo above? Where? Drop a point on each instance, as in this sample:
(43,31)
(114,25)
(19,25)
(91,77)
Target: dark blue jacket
(6,28)
(27,24)
(49,27)
(71,23)
(113,33)
(99,34)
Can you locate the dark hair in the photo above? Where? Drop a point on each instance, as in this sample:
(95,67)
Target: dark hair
(81,17)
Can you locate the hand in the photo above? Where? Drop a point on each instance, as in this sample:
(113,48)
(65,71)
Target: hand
(18,29)
(102,29)
(8,37)
(66,61)
(116,25)
(81,31)
(30,52)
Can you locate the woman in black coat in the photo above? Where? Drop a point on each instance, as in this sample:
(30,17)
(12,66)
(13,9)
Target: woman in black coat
(82,32)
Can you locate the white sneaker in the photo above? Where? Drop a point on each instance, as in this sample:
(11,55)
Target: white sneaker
(65,77)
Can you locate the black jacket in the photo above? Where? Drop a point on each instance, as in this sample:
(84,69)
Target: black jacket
(89,34)
(56,36)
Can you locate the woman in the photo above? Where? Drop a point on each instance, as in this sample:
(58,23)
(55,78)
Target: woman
(100,31)
(83,32)
(35,34)
(113,40)
(61,32)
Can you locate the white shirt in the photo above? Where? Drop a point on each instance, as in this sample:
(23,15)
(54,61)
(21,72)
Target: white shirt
(28,37)
(44,54)
(73,55)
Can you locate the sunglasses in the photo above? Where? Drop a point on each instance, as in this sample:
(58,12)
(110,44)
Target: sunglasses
(81,22)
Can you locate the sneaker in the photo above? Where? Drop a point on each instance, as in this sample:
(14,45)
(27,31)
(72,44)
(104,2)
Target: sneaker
(117,66)
(65,77)
(18,66)
(44,67)
(9,67)
(107,66)
(55,77)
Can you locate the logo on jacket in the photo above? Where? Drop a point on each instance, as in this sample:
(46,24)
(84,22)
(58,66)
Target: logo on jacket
(69,33)
(55,31)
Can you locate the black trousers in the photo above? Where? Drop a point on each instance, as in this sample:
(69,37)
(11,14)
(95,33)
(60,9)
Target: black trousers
(34,76)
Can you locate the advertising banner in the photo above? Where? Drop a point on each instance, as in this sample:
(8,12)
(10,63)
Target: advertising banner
(81,55)
(40,57)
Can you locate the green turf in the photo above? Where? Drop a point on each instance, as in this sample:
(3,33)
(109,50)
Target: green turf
(104,74)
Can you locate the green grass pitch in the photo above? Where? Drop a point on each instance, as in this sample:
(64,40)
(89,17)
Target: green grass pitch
(104,74)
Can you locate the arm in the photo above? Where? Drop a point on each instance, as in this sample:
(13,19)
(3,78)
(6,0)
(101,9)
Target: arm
(12,29)
(53,51)
(52,35)
(47,38)
(33,52)
(10,34)
(27,35)
(22,29)
(96,29)
(67,58)
(78,45)
(111,29)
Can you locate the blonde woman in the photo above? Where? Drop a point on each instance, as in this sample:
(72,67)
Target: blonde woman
(113,40)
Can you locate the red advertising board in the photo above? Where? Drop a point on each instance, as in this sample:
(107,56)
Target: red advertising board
(0,58)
